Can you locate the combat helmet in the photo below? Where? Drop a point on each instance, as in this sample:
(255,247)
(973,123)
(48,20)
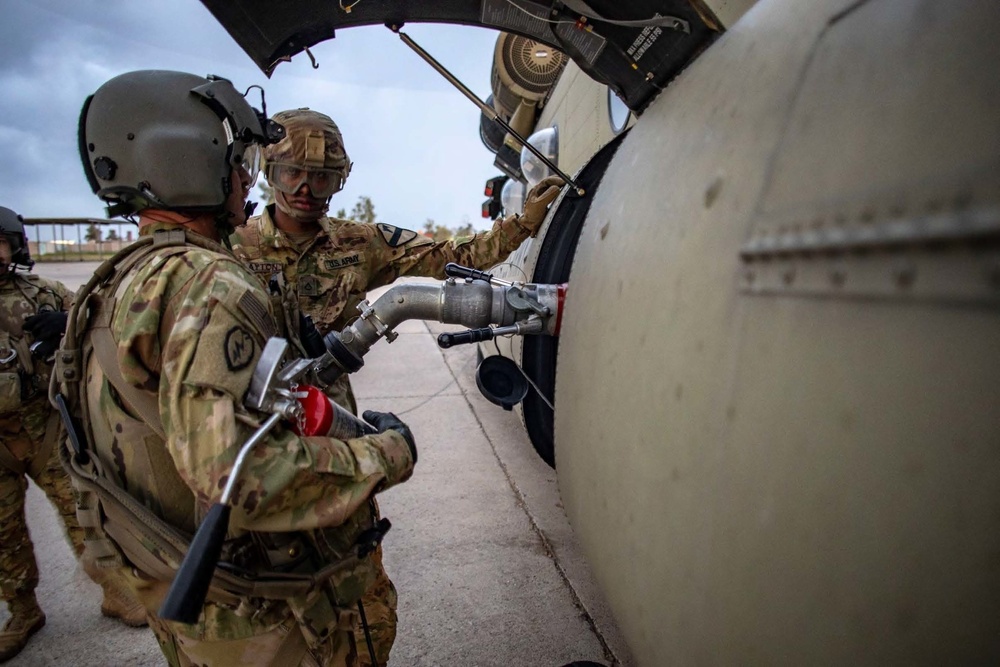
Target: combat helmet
(312,153)
(169,140)
(12,229)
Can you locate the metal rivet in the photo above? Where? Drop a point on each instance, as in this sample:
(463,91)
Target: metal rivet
(293,551)
(712,192)
(130,136)
(68,374)
(67,358)
(905,277)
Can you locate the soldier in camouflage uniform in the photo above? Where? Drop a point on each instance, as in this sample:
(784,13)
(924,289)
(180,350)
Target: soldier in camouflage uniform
(332,263)
(32,319)
(187,325)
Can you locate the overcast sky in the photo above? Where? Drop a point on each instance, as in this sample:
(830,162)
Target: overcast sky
(414,139)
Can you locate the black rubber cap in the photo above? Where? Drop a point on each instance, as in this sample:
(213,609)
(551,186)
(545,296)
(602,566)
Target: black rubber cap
(501,382)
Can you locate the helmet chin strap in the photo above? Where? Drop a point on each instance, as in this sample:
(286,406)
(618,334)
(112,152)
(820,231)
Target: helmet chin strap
(279,201)
(225,227)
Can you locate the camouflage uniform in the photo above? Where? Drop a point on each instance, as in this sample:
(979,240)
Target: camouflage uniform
(331,275)
(25,416)
(334,272)
(185,332)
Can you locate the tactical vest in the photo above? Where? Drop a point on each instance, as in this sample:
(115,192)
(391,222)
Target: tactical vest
(121,530)
(23,378)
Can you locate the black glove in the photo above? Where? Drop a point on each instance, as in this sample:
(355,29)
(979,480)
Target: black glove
(46,328)
(386,421)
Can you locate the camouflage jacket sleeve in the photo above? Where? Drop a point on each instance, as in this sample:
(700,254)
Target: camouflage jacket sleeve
(212,338)
(63,294)
(398,252)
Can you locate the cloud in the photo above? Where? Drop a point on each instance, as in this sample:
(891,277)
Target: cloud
(413,137)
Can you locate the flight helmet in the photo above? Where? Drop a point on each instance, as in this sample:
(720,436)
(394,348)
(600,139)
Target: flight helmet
(12,229)
(169,140)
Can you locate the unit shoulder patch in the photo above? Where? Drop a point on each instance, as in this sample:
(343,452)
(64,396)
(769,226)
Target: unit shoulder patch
(239,348)
(396,236)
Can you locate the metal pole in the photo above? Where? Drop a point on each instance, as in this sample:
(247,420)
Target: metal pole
(485,108)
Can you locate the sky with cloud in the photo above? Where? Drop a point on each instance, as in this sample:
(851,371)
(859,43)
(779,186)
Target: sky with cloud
(413,138)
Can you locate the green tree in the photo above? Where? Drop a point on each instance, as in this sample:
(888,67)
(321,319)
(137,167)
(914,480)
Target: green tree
(266,192)
(93,233)
(112,235)
(466,229)
(341,213)
(364,210)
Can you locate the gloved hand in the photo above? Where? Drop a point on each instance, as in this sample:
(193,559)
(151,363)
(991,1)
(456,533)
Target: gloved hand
(385,421)
(46,328)
(536,204)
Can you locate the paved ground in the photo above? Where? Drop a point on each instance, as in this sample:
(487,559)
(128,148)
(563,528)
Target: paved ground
(486,565)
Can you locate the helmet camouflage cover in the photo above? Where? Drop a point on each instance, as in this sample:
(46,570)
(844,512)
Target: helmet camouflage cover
(312,140)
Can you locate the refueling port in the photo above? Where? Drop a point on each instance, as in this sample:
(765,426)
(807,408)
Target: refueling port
(501,382)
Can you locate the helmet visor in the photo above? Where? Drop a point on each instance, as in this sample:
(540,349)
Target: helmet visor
(289,178)
(251,162)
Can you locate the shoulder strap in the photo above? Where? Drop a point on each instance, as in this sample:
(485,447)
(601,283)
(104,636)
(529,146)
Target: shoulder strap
(11,462)
(91,308)
(145,404)
(52,432)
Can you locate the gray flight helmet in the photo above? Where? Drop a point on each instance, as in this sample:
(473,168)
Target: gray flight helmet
(168,140)
(12,229)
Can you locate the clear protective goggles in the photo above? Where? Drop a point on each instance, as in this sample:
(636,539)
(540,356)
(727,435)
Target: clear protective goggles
(289,178)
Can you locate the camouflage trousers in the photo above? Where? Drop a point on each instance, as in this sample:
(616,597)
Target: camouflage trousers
(284,644)
(379,602)
(22,433)
(380,599)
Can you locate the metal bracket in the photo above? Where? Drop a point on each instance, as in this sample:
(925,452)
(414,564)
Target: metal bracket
(369,315)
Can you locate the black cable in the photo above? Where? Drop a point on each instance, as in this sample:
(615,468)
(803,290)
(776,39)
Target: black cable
(368,634)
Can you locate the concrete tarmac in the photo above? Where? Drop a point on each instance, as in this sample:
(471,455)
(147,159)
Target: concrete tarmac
(486,565)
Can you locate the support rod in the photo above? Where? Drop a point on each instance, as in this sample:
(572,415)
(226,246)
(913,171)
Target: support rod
(485,108)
